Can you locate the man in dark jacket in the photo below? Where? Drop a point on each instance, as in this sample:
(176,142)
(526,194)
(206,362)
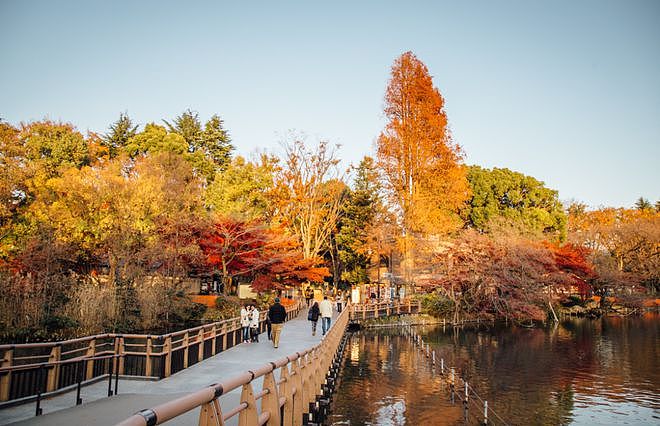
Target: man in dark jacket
(277,316)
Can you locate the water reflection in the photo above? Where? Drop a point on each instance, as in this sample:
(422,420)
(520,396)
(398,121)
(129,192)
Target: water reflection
(579,372)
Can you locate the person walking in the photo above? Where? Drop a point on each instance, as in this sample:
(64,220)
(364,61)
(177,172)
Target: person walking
(254,324)
(340,302)
(245,322)
(309,295)
(313,316)
(277,315)
(326,314)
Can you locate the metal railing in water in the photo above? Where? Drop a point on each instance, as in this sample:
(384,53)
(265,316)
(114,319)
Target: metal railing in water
(305,382)
(139,355)
(474,406)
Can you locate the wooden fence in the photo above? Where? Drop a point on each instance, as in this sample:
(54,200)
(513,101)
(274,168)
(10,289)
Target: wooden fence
(152,356)
(301,394)
(367,311)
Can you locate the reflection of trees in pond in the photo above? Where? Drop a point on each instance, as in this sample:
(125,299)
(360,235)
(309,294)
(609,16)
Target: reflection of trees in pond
(535,375)
(382,370)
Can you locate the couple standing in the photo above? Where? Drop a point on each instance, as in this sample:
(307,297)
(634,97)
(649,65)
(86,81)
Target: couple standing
(324,310)
(250,323)
(275,320)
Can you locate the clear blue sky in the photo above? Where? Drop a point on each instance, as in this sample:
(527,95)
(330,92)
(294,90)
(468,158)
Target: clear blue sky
(565,91)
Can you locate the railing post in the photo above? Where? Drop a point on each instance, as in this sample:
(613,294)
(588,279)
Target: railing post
(214,334)
(200,348)
(91,352)
(185,349)
(465,401)
(249,416)
(120,351)
(148,365)
(167,349)
(54,372)
(285,390)
(299,395)
(271,401)
(5,379)
(224,336)
(210,414)
(485,412)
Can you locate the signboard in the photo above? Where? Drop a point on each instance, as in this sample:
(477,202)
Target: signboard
(355,295)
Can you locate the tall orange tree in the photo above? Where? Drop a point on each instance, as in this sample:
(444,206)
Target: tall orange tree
(421,163)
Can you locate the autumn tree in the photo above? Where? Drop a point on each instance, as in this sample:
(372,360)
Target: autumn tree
(511,278)
(504,198)
(251,250)
(421,163)
(209,147)
(307,201)
(13,173)
(643,204)
(156,139)
(359,239)
(244,189)
(119,133)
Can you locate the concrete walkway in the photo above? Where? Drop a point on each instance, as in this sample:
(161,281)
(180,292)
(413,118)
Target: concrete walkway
(134,395)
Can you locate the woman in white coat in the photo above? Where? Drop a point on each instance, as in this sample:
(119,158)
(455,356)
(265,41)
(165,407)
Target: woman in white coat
(245,322)
(254,324)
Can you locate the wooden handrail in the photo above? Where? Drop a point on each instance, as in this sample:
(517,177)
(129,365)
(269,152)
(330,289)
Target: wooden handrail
(301,377)
(142,346)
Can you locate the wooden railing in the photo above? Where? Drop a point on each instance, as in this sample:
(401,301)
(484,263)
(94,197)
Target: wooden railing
(157,356)
(305,382)
(366,311)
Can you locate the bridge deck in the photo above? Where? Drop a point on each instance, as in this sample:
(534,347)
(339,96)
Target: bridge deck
(135,395)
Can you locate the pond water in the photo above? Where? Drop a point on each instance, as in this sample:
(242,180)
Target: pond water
(579,372)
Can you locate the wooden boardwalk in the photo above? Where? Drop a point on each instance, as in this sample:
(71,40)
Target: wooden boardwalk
(135,395)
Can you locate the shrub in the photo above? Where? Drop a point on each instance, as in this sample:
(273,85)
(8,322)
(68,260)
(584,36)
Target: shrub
(436,305)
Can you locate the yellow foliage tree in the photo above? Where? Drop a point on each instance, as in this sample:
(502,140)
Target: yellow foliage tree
(421,163)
